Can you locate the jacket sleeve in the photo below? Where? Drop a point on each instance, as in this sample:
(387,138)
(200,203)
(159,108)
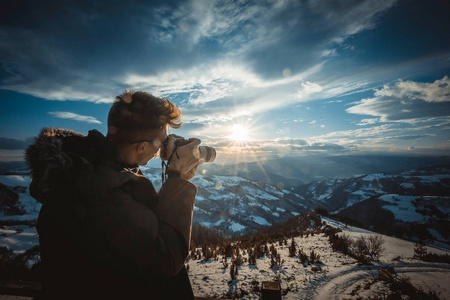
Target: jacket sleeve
(176,206)
(149,241)
(174,212)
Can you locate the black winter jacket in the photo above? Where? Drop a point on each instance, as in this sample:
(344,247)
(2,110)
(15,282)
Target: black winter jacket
(104,232)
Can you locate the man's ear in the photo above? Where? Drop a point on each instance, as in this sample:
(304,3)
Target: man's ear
(141,147)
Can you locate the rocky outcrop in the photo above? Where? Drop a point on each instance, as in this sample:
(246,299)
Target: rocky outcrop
(9,201)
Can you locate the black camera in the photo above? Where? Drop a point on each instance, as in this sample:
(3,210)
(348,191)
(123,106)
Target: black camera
(208,154)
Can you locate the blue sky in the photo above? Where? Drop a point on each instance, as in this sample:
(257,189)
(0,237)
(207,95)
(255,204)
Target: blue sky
(301,77)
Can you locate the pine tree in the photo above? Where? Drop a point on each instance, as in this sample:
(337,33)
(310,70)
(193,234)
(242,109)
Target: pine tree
(258,251)
(228,250)
(272,261)
(292,248)
(273,250)
(313,257)
(302,256)
(233,271)
(252,256)
(237,259)
(207,253)
(225,262)
(279,261)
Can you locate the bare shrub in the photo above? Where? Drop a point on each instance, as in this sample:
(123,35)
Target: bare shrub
(375,246)
(420,250)
(368,248)
(340,243)
(361,245)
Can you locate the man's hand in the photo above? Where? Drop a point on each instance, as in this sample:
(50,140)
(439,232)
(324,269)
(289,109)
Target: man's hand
(188,159)
(191,173)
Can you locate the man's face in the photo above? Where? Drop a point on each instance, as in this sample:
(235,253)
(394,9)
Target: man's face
(151,148)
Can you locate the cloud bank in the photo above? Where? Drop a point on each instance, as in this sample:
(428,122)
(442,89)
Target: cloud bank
(14,144)
(407,101)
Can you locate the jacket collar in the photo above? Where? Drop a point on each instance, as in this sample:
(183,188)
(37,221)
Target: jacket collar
(58,154)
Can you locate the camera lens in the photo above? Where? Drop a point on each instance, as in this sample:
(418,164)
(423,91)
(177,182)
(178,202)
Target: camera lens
(207,153)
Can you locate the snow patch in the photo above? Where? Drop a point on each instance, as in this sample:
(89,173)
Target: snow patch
(260,220)
(407,185)
(402,208)
(16,180)
(236,226)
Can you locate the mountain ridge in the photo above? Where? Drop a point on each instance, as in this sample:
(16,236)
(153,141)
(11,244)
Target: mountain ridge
(239,206)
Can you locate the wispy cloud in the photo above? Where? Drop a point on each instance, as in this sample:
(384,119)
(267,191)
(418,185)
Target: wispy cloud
(73,116)
(229,90)
(365,122)
(40,59)
(407,101)
(374,131)
(410,137)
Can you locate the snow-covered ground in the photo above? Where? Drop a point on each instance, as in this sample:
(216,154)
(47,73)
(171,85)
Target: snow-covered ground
(15,180)
(336,277)
(18,238)
(28,203)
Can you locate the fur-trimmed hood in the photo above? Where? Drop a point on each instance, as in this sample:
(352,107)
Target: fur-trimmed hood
(62,154)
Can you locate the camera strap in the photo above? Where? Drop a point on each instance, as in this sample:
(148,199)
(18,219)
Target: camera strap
(166,165)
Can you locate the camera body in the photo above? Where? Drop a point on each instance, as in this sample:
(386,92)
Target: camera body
(208,154)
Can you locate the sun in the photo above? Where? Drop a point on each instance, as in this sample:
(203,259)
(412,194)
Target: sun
(238,133)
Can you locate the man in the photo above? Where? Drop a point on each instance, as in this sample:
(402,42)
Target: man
(104,232)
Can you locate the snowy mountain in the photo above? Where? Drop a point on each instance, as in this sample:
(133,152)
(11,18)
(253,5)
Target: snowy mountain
(290,172)
(337,194)
(236,205)
(413,204)
(13,168)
